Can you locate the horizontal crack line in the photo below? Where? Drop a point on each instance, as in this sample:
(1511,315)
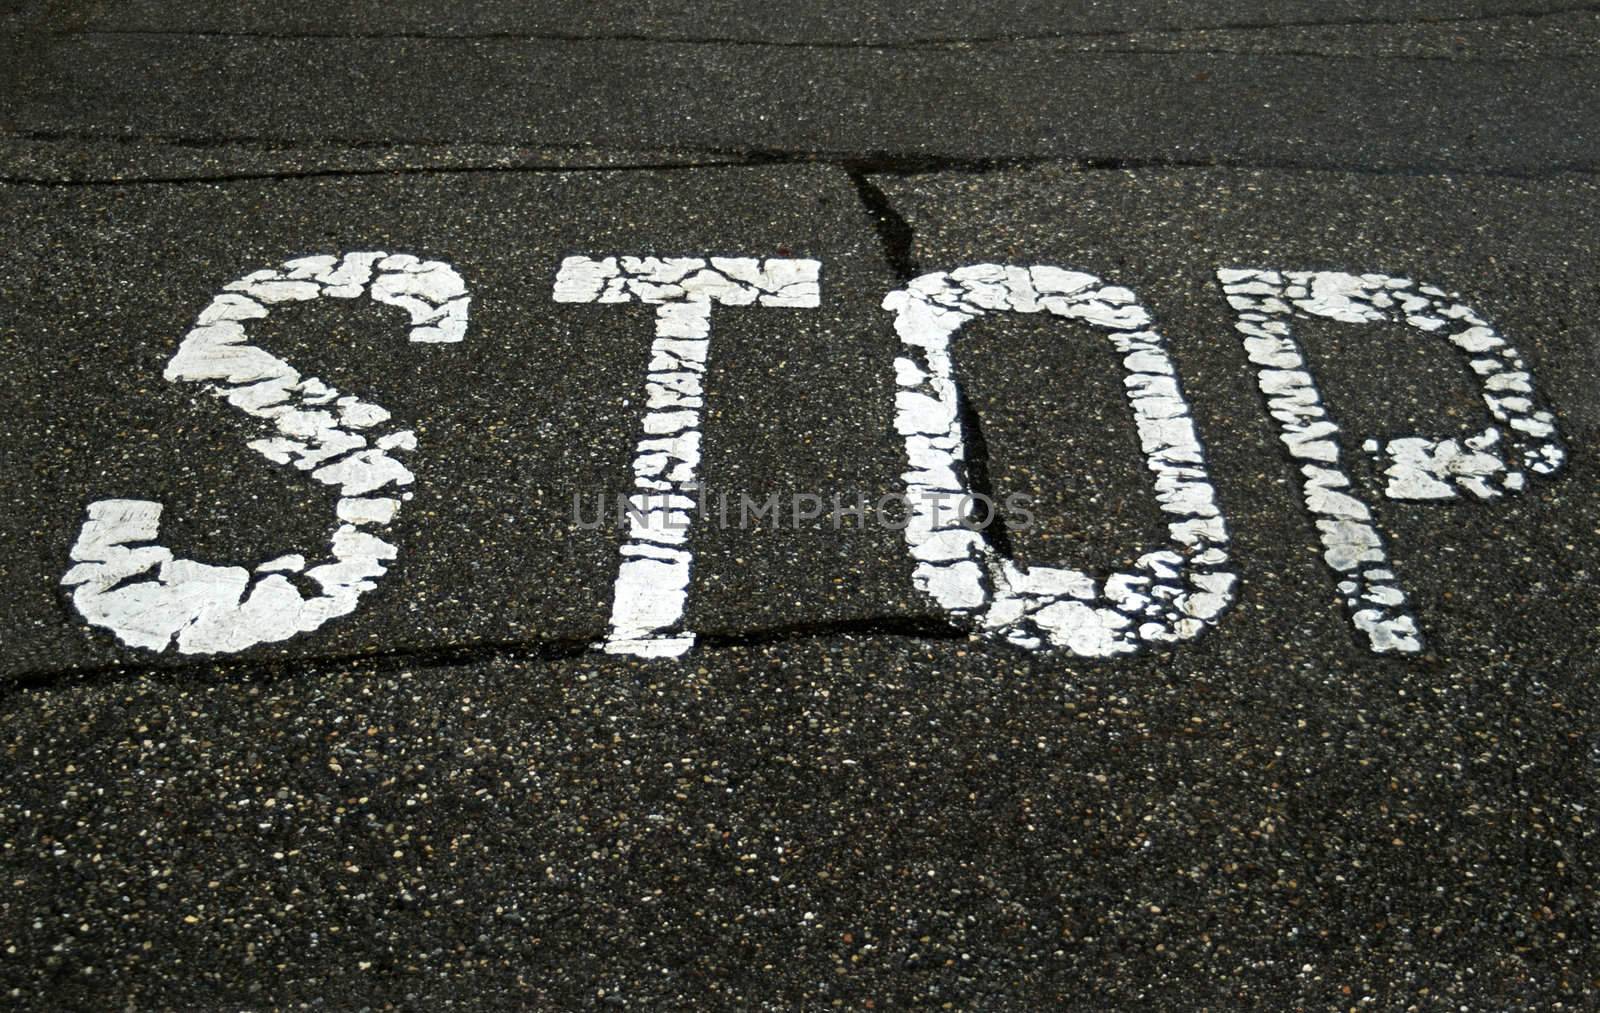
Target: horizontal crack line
(548,650)
(932,42)
(664,157)
(874,162)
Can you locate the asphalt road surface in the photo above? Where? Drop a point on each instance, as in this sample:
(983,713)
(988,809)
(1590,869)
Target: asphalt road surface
(331,679)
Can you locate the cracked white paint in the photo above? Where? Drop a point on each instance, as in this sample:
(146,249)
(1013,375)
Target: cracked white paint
(652,585)
(1172,594)
(128,583)
(1520,438)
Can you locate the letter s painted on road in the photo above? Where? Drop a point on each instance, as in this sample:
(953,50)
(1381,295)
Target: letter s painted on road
(128,583)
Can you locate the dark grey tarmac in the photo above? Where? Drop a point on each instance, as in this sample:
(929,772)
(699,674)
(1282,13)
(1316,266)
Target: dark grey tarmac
(450,800)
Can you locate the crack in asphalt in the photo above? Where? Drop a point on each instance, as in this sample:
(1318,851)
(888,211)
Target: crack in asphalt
(932,42)
(533,650)
(892,228)
(864,164)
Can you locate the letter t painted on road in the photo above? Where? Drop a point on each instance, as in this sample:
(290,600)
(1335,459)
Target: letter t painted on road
(653,578)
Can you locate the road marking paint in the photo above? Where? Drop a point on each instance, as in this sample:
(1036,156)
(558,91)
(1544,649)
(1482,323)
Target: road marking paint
(652,584)
(1172,594)
(1521,438)
(128,583)
(125,581)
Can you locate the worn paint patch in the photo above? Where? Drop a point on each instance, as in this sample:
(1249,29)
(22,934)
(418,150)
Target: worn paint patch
(1520,439)
(1172,594)
(652,584)
(128,583)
